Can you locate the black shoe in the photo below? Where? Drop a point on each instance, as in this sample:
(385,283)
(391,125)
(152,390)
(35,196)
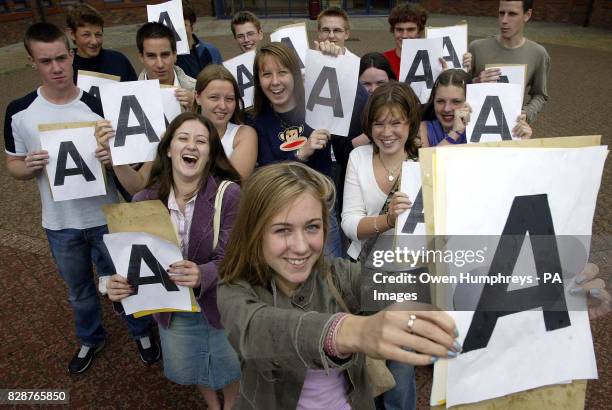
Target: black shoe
(83,358)
(149,349)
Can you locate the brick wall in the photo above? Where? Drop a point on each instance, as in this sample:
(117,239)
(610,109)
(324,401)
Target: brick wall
(561,11)
(13,25)
(602,14)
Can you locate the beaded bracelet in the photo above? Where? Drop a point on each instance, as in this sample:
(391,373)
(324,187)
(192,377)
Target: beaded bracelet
(332,333)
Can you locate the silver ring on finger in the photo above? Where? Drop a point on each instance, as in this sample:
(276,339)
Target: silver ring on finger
(410,323)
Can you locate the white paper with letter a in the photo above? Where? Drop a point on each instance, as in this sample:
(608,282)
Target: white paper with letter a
(455,42)
(136,112)
(172,108)
(73,169)
(495,109)
(170,14)
(294,36)
(525,191)
(143,258)
(330,86)
(90,81)
(513,74)
(412,221)
(420,65)
(241,68)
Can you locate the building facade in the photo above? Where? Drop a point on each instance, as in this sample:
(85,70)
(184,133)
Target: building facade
(17,15)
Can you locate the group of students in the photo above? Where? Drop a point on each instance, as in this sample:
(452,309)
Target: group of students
(279,325)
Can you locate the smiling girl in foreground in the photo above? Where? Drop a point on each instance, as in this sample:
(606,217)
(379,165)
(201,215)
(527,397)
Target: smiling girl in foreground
(298,349)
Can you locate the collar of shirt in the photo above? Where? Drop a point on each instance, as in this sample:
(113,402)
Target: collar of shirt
(302,297)
(176,81)
(180,220)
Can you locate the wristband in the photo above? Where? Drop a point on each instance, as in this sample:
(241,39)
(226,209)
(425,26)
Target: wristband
(330,339)
(450,140)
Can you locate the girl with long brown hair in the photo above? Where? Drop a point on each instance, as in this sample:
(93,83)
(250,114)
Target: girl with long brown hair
(189,168)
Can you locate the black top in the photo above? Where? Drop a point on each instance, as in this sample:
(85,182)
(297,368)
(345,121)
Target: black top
(198,58)
(107,62)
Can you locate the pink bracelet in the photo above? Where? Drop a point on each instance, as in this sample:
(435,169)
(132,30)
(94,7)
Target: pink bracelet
(330,346)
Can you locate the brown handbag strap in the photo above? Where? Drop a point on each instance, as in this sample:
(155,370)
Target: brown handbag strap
(335,293)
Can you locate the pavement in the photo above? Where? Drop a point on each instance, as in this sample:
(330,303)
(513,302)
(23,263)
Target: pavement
(37,337)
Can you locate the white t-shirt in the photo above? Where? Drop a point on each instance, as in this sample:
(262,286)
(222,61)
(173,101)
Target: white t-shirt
(228,138)
(21,136)
(362,195)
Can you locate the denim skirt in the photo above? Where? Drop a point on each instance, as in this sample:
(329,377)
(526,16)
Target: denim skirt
(196,353)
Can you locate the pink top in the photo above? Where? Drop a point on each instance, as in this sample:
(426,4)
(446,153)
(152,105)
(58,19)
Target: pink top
(181,222)
(324,392)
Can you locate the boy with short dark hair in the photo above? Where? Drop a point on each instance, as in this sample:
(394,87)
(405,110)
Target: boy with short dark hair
(157,51)
(86,28)
(74,228)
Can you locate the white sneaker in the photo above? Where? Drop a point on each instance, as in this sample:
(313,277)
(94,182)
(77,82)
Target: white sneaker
(102,283)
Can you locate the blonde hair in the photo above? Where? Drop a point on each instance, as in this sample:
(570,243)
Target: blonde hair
(266,193)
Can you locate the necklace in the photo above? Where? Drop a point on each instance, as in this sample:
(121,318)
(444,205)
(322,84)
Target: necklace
(280,119)
(391,173)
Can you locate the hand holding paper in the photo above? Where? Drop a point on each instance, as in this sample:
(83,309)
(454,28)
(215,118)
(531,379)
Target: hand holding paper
(467,62)
(36,160)
(185,273)
(104,156)
(318,140)
(462,117)
(490,75)
(522,130)
(600,301)
(328,48)
(399,204)
(118,288)
(184,97)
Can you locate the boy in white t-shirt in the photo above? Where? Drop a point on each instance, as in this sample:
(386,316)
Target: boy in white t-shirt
(74,228)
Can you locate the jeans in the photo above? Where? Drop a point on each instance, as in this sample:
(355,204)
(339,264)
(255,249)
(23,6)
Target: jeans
(74,250)
(333,244)
(403,395)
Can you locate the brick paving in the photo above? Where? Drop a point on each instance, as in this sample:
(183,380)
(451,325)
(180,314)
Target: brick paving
(37,343)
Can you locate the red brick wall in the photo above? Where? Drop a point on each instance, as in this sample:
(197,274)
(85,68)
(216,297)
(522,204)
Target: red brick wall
(602,14)
(13,25)
(562,11)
